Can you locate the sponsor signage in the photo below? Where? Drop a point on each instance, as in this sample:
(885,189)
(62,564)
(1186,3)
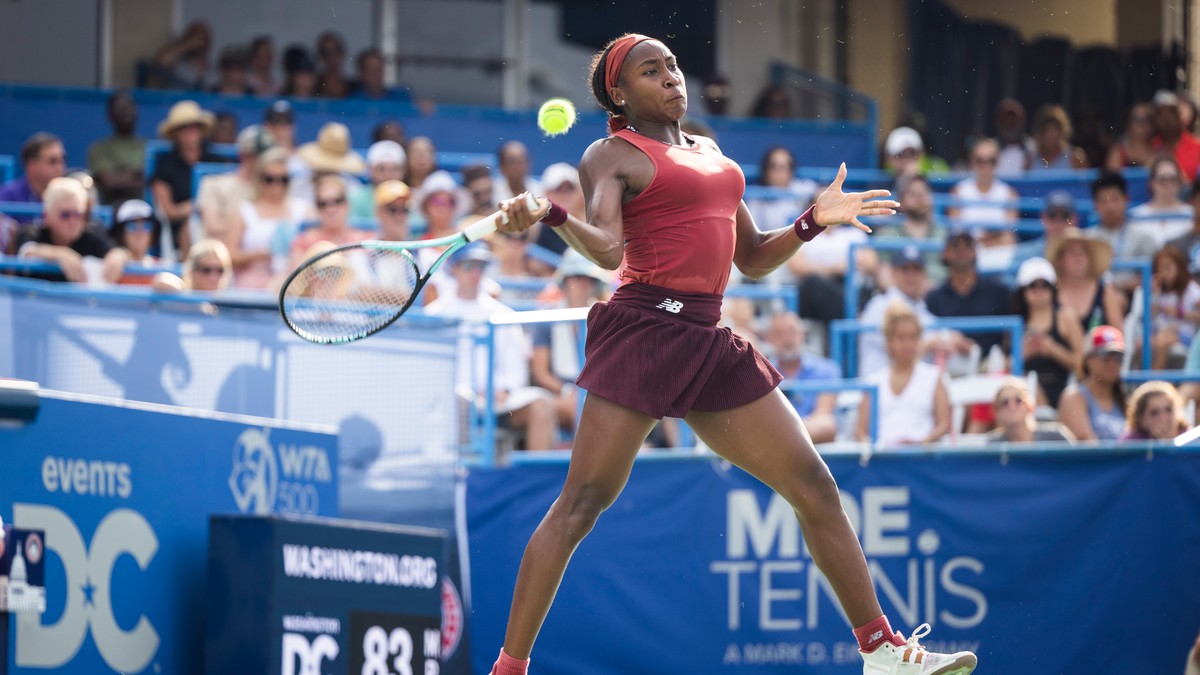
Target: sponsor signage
(300,596)
(699,568)
(122,493)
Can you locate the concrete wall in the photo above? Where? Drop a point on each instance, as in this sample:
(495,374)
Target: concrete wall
(750,36)
(48,42)
(140,28)
(877,62)
(1085,22)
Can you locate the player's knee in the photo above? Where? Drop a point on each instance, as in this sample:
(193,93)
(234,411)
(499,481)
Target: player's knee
(581,511)
(815,491)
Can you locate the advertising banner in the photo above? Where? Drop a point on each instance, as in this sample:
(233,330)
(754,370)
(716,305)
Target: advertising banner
(123,493)
(308,596)
(1031,561)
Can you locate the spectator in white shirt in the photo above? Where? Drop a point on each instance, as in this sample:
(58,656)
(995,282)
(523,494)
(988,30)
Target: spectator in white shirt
(908,287)
(517,404)
(1166,215)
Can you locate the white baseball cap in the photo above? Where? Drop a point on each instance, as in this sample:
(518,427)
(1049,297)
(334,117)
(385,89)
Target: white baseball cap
(558,173)
(903,138)
(386,152)
(134,209)
(1036,269)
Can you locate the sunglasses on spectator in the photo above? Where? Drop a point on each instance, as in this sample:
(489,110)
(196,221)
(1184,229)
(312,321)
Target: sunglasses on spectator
(280,179)
(394,210)
(910,153)
(208,269)
(1008,400)
(70,215)
(991,159)
(330,203)
(440,200)
(1058,215)
(1041,285)
(142,225)
(1166,178)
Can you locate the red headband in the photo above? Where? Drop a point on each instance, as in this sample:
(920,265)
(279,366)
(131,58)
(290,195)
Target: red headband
(612,70)
(616,58)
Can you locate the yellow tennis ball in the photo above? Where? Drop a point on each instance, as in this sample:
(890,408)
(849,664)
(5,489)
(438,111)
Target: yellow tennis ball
(556,116)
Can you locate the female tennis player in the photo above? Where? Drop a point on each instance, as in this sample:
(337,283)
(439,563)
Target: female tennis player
(670,206)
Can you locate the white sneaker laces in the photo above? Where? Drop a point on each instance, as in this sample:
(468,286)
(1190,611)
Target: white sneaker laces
(921,631)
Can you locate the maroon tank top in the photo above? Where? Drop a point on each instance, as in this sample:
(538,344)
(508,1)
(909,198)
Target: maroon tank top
(680,231)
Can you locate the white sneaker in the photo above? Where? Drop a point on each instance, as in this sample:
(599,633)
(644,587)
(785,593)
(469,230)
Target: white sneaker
(912,659)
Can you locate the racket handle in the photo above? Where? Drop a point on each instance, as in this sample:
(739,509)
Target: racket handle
(487,225)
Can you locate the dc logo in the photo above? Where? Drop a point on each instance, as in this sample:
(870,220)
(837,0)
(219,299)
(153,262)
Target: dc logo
(254,480)
(672,306)
(452,618)
(298,651)
(88,603)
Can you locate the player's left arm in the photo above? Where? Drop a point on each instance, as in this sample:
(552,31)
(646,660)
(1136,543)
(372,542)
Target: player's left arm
(758,253)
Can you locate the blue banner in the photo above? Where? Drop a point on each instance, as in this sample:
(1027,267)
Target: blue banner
(1056,563)
(123,493)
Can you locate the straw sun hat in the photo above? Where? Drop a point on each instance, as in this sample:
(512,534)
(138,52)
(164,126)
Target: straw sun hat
(331,152)
(183,114)
(1099,251)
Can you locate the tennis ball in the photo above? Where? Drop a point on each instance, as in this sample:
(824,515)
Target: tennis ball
(556,116)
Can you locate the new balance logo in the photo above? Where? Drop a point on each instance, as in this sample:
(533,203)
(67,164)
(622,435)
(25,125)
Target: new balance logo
(875,636)
(672,306)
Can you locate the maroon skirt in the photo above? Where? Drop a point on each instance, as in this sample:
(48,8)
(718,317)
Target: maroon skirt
(660,351)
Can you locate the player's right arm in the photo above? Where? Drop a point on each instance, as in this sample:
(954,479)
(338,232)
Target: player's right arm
(611,172)
(602,175)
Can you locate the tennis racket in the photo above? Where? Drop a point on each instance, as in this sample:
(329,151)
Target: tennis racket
(349,292)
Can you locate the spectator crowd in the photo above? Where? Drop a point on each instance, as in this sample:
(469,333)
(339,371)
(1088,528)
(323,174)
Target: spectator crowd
(964,245)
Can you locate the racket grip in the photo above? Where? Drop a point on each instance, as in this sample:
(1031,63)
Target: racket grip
(486,226)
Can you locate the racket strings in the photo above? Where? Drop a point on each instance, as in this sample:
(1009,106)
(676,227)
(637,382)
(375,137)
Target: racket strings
(349,293)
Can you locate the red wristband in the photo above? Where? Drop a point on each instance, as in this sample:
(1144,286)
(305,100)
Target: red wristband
(806,227)
(556,216)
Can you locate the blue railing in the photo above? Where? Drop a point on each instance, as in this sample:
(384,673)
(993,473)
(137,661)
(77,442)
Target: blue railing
(1078,182)
(844,349)
(11,263)
(851,282)
(34,210)
(8,168)
(1173,376)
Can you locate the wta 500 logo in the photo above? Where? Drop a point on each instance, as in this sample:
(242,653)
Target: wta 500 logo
(263,482)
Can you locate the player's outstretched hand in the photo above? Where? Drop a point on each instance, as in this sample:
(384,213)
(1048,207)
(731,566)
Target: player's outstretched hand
(517,214)
(834,207)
